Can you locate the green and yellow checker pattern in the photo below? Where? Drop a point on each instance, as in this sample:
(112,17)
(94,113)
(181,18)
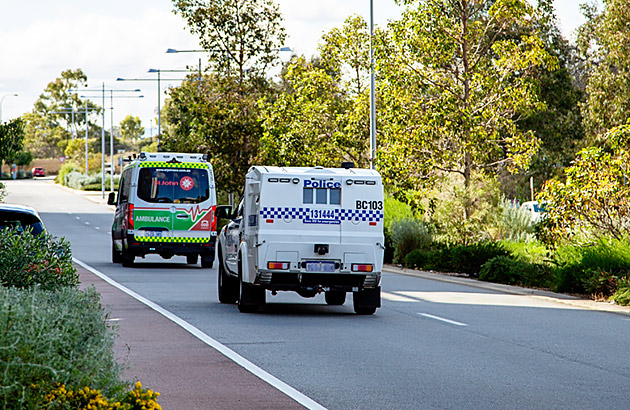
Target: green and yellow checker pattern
(171,240)
(164,164)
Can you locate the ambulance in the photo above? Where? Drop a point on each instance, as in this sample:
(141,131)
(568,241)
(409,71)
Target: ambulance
(308,230)
(165,205)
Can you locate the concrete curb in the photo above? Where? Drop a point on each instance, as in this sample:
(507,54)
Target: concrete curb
(514,290)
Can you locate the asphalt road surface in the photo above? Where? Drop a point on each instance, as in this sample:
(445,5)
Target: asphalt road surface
(433,344)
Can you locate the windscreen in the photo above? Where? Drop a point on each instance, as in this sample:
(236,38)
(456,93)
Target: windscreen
(173,185)
(20,222)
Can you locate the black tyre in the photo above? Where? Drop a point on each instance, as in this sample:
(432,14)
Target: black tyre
(250,297)
(116,255)
(127,258)
(207,261)
(335,297)
(192,259)
(228,287)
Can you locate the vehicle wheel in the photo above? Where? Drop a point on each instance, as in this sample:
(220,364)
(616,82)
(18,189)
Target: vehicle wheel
(191,259)
(127,258)
(207,261)
(116,255)
(335,297)
(228,287)
(249,297)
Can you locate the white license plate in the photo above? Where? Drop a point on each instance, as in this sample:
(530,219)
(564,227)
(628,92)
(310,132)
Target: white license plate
(153,234)
(320,266)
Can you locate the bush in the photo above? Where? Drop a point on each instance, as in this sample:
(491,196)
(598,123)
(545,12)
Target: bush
(50,338)
(593,268)
(510,271)
(65,170)
(395,210)
(514,224)
(470,258)
(427,258)
(407,235)
(622,295)
(27,260)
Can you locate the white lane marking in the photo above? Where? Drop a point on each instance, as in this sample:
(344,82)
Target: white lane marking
(227,352)
(441,319)
(397,298)
(77,217)
(98,228)
(87,223)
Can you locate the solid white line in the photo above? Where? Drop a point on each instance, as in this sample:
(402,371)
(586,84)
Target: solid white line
(226,351)
(441,319)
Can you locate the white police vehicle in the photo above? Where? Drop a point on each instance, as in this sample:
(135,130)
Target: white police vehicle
(307,230)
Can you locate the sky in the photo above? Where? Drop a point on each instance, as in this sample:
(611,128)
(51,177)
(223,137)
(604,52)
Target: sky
(124,39)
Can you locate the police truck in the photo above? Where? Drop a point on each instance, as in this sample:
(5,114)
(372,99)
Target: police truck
(304,229)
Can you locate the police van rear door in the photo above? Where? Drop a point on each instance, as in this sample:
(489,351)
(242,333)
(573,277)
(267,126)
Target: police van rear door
(362,219)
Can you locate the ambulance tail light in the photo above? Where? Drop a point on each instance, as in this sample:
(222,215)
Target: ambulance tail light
(129,216)
(360,267)
(213,225)
(278,265)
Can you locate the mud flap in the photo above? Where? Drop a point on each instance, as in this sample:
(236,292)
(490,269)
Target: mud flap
(368,298)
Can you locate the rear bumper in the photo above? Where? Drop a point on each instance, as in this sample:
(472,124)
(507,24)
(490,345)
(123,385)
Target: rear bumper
(137,248)
(276,280)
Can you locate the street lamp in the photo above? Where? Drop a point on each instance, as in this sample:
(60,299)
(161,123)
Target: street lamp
(102,90)
(2,100)
(111,133)
(372,92)
(158,71)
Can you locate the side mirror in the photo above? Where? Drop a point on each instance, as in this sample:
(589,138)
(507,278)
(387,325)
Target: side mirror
(224,211)
(111,199)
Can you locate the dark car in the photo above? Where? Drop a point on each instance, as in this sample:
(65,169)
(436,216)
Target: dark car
(39,172)
(21,218)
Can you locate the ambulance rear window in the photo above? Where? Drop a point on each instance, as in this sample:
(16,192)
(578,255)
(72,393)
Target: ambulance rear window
(173,185)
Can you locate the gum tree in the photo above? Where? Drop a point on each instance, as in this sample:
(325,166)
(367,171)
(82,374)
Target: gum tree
(455,81)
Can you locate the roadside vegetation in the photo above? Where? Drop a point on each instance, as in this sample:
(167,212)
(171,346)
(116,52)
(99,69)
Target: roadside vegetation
(56,344)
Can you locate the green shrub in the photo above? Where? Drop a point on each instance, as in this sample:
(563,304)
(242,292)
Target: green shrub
(510,271)
(43,260)
(622,295)
(430,256)
(407,235)
(514,224)
(51,338)
(65,170)
(593,268)
(503,269)
(394,210)
(532,251)
(469,258)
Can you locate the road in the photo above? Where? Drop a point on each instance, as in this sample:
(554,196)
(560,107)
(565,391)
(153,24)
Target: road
(433,344)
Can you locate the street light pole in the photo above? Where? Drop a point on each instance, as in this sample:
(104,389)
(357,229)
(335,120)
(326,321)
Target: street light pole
(111,135)
(2,100)
(372,92)
(158,71)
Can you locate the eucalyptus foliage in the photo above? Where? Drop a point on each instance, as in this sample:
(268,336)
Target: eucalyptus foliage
(454,81)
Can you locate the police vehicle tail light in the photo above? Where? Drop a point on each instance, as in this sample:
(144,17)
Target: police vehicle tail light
(278,265)
(359,267)
(129,216)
